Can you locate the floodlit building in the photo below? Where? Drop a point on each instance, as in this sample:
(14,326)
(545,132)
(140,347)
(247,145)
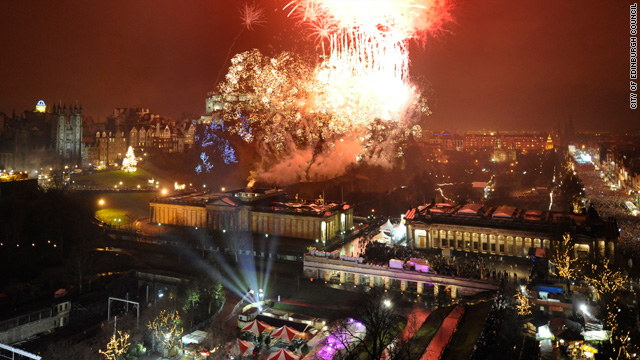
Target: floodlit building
(41,138)
(508,231)
(260,211)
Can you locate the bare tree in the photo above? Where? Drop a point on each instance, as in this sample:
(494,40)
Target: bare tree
(368,327)
(236,241)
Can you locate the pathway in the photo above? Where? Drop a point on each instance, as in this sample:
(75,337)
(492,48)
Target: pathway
(443,336)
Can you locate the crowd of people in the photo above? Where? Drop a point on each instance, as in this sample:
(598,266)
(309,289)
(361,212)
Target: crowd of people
(611,203)
(489,337)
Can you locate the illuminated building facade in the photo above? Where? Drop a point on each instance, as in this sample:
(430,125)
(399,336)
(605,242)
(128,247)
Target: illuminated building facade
(507,231)
(266,211)
(508,141)
(167,138)
(45,137)
(68,135)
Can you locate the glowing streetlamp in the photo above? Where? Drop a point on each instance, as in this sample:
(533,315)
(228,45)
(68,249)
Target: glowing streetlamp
(101,202)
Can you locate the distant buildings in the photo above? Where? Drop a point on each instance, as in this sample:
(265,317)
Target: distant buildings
(521,141)
(618,157)
(260,211)
(46,137)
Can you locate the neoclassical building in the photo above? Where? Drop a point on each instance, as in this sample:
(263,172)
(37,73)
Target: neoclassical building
(260,211)
(508,231)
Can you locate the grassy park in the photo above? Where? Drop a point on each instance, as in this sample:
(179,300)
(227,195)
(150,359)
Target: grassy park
(120,178)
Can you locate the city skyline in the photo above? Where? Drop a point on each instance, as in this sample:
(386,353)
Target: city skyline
(502,65)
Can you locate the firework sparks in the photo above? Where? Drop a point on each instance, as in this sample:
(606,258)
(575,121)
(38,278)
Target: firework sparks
(251,15)
(360,93)
(366,75)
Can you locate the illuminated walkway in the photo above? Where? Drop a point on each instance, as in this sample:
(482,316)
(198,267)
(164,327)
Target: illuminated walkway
(443,336)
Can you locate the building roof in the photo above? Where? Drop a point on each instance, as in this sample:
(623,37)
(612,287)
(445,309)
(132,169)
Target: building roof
(261,200)
(504,212)
(508,217)
(470,209)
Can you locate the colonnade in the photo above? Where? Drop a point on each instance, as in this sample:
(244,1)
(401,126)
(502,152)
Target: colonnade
(483,242)
(389,283)
(501,241)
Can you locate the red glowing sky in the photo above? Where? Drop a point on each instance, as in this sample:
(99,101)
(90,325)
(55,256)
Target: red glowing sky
(503,64)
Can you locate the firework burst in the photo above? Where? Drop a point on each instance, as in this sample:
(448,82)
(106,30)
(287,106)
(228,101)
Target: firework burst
(252,15)
(357,104)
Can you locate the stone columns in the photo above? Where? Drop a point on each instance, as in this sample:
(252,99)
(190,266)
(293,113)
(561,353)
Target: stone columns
(436,290)
(342,277)
(372,281)
(356,279)
(419,287)
(386,283)
(403,285)
(454,292)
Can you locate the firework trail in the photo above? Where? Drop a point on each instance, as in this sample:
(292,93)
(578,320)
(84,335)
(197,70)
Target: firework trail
(250,16)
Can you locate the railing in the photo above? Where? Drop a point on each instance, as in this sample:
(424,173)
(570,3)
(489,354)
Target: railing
(411,275)
(25,319)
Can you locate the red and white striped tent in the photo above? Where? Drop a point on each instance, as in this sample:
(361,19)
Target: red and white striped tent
(283,355)
(285,333)
(256,327)
(244,346)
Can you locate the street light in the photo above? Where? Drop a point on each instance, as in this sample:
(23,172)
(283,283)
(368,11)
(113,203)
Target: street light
(101,202)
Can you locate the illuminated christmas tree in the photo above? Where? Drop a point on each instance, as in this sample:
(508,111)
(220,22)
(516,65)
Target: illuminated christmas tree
(129,162)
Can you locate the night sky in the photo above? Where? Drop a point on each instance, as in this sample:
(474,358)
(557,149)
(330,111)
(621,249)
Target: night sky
(503,64)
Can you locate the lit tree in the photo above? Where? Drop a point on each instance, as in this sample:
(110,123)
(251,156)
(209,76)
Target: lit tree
(116,347)
(623,348)
(129,162)
(605,280)
(167,328)
(523,305)
(563,260)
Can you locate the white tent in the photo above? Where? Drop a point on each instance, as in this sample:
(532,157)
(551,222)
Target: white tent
(196,337)
(388,226)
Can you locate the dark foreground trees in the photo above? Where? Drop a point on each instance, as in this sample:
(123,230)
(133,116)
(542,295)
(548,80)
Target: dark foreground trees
(366,328)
